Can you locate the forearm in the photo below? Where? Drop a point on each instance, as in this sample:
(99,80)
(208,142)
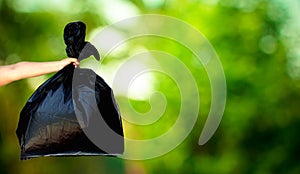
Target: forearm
(32,69)
(21,70)
(10,73)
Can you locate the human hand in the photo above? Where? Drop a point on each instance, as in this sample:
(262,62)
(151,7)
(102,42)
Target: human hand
(67,61)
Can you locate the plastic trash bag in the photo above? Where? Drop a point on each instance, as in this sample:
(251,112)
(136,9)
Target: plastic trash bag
(72,113)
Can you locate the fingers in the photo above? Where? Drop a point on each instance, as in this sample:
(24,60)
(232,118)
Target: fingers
(76,64)
(74,61)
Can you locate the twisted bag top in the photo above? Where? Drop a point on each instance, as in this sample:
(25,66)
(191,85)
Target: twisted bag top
(74,112)
(74,35)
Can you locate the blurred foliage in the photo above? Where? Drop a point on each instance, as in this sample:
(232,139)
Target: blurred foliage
(257,42)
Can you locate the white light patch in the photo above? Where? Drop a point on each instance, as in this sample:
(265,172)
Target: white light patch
(107,40)
(133,80)
(141,86)
(116,10)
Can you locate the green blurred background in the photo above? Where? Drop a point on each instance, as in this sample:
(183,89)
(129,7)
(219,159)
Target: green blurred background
(258,43)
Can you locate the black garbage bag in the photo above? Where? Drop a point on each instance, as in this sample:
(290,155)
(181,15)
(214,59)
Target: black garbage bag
(74,112)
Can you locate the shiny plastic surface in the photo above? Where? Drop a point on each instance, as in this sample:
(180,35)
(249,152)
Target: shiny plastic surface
(56,117)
